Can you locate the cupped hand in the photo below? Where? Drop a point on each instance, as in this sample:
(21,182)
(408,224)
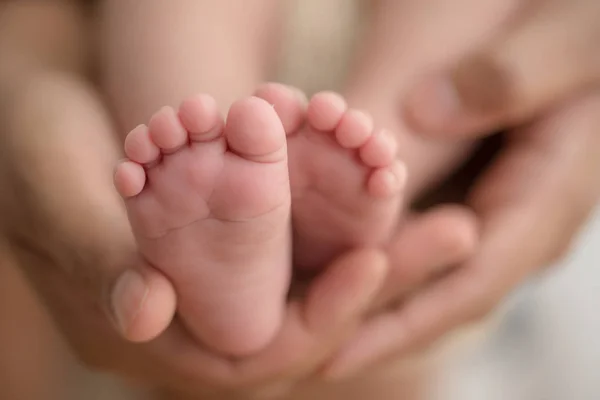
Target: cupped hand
(73,264)
(538,75)
(545,53)
(69,231)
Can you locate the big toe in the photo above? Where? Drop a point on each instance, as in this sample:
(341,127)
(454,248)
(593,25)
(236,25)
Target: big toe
(289,104)
(254,131)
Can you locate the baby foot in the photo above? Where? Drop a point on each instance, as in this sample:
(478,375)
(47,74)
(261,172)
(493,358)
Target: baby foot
(346,181)
(209,205)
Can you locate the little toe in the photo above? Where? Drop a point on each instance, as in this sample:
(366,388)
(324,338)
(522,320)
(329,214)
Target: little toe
(289,103)
(166,130)
(354,129)
(380,150)
(129,178)
(254,131)
(139,147)
(199,115)
(387,181)
(325,111)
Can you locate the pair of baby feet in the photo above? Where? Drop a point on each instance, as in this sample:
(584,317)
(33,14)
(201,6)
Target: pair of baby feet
(211,202)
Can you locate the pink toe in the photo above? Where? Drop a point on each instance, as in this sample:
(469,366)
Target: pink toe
(254,131)
(380,150)
(166,130)
(289,103)
(200,116)
(386,182)
(130,179)
(139,147)
(355,128)
(325,111)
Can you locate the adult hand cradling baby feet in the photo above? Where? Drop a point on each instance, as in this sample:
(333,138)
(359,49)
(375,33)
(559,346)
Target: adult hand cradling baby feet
(209,203)
(198,277)
(537,78)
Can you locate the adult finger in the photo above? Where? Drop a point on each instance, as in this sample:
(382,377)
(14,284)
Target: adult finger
(334,305)
(427,246)
(532,202)
(404,38)
(546,58)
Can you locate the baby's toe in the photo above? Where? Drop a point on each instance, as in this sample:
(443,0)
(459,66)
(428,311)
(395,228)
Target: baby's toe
(289,103)
(380,150)
(387,181)
(199,115)
(166,130)
(254,131)
(129,178)
(139,146)
(325,111)
(354,129)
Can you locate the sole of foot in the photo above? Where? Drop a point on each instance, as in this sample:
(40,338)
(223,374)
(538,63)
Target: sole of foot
(346,180)
(209,205)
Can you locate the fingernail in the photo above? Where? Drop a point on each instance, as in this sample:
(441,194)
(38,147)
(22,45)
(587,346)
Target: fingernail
(127,299)
(432,104)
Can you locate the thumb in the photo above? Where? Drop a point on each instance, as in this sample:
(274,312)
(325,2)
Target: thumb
(538,63)
(142,302)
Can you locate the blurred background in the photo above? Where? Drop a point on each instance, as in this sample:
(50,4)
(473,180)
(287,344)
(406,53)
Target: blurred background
(546,347)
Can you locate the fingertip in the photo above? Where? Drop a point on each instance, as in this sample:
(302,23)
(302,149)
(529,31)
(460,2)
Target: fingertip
(431,104)
(364,268)
(463,101)
(346,290)
(458,231)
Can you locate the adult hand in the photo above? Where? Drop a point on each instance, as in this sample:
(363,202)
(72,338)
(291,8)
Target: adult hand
(549,53)
(68,228)
(69,231)
(71,236)
(536,194)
